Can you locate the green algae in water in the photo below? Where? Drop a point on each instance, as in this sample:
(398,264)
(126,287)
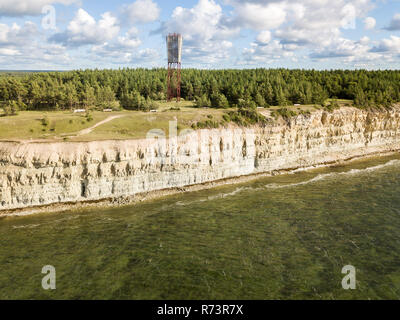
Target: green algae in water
(284,237)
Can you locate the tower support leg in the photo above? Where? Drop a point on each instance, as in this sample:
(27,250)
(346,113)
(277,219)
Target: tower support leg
(172,69)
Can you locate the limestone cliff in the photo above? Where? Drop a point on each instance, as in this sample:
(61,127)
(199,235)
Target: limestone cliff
(33,174)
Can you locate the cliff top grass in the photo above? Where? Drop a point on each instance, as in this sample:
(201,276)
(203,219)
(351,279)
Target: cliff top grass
(68,126)
(96,125)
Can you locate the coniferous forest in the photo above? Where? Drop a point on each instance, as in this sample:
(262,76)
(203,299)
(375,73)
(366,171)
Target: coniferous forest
(136,89)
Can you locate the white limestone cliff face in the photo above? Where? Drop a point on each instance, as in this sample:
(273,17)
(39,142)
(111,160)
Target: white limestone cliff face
(36,174)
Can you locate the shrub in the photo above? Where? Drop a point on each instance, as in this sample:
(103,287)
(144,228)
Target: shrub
(226,117)
(286,113)
(45,121)
(332,106)
(14,107)
(203,102)
(7,110)
(89,117)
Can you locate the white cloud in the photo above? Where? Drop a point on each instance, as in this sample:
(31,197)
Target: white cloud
(112,55)
(130,39)
(369,23)
(391,45)
(8,52)
(343,48)
(24,46)
(269,53)
(145,55)
(322,21)
(365,40)
(15,8)
(264,37)
(15,35)
(141,11)
(259,16)
(122,48)
(84,30)
(313,25)
(103,40)
(205,30)
(394,23)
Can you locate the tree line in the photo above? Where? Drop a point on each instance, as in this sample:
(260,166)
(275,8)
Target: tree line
(137,89)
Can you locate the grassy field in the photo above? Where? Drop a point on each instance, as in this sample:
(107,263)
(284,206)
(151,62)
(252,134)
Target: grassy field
(65,125)
(28,125)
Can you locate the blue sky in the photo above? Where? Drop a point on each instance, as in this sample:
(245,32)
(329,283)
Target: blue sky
(319,34)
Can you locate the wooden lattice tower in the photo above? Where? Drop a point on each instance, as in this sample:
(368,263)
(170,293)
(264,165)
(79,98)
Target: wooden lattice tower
(174,48)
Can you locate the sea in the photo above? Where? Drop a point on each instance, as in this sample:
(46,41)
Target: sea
(327,233)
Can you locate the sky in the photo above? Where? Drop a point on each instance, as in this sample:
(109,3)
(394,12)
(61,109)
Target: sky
(307,34)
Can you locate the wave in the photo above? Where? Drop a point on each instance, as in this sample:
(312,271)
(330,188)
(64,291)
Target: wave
(228,194)
(323,176)
(27,226)
(214,197)
(319,177)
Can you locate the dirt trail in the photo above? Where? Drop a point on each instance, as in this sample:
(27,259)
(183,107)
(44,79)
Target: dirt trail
(89,130)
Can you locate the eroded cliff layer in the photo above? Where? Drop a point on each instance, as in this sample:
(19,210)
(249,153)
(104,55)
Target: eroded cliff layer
(37,174)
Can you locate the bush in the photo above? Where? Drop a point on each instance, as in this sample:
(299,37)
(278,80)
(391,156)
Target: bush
(45,121)
(286,113)
(246,104)
(154,105)
(203,102)
(208,124)
(247,116)
(7,110)
(89,117)
(226,117)
(218,100)
(12,107)
(332,106)
(134,101)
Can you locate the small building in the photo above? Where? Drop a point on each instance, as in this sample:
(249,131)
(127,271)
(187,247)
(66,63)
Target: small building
(79,110)
(108,110)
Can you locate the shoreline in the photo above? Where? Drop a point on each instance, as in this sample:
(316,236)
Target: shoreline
(158,194)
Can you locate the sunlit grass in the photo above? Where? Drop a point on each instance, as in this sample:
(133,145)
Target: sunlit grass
(65,125)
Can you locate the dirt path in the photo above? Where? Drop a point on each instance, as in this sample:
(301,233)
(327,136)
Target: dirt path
(89,130)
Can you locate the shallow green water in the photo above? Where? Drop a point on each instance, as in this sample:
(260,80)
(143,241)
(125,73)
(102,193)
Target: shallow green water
(284,237)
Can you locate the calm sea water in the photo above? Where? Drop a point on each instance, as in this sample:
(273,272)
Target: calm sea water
(285,237)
